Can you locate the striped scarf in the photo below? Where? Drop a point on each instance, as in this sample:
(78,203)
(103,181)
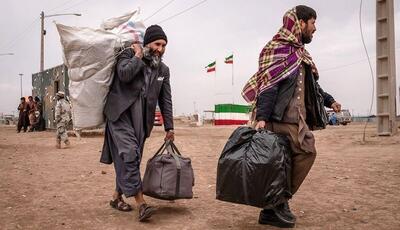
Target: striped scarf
(279,59)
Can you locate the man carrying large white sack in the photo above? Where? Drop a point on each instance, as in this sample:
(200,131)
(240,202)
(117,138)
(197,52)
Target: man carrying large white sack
(141,80)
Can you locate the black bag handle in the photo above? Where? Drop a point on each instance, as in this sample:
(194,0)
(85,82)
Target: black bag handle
(169,146)
(160,151)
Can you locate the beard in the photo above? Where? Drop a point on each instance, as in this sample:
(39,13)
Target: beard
(151,57)
(306,38)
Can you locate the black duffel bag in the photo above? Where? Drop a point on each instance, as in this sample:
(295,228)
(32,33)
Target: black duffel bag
(254,168)
(168,176)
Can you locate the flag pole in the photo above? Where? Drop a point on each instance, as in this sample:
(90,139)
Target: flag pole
(215,83)
(233,95)
(215,91)
(232,69)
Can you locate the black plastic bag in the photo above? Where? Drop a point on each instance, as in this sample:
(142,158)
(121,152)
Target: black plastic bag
(254,168)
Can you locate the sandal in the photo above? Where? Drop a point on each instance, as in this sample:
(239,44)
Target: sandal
(145,212)
(120,205)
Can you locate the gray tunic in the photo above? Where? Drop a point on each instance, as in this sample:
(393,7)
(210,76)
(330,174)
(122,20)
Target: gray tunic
(124,139)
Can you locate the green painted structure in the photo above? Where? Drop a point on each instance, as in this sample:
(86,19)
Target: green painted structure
(45,85)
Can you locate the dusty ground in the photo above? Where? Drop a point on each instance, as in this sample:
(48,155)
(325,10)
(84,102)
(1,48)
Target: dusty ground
(351,186)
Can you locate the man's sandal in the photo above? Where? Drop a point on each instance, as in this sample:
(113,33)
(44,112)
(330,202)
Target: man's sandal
(120,205)
(145,212)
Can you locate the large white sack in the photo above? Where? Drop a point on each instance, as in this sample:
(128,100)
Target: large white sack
(87,51)
(129,31)
(90,56)
(111,23)
(88,98)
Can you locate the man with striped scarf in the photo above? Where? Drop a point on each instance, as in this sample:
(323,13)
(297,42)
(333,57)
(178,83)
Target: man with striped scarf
(288,100)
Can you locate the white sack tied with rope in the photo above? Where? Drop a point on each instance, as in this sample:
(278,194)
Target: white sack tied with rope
(90,55)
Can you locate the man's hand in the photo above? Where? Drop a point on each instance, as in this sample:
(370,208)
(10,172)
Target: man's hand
(260,125)
(169,135)
(137,49)
(336,106)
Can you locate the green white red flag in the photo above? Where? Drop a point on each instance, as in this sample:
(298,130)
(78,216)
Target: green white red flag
(211,67)
(229,59)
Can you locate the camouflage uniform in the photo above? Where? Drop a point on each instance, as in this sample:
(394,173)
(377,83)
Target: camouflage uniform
(63,116)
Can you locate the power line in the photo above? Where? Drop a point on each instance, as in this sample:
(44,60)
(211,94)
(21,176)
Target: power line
(370,67)
(73,6)
(30,26)
(20,35)
(63,4)
(183,11)
(349,64)
(168,3)
(342,66)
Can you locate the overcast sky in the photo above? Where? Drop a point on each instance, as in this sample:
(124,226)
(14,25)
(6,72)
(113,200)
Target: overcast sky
(211,31)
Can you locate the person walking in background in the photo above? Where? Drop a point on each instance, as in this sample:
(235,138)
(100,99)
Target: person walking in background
(62,119)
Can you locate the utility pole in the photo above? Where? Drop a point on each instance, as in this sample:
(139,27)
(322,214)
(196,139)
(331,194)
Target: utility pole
(43,32)
(385,68)
(20,76)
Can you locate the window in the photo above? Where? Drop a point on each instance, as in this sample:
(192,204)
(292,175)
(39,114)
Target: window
(56,87)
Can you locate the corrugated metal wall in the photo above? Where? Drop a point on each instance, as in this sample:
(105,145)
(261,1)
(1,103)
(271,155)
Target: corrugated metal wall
(45,85)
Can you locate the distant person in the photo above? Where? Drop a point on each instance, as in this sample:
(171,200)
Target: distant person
(31,113)
(31,103)
(62,119)
(39,126)
(333,119)
(141,80)
(23,119)
(289,100)
(39,122)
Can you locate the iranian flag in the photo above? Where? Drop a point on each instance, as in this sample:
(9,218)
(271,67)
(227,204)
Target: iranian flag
(231,114)
(211,67)
(229,59)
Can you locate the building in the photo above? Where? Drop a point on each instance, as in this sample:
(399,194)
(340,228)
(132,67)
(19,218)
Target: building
(45,85)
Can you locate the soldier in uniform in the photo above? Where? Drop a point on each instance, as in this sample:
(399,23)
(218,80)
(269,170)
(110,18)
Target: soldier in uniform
(62,118)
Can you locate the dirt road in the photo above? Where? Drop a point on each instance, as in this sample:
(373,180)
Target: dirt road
(351,185)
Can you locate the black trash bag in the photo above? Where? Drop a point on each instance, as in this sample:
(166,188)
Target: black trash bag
(254,168)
